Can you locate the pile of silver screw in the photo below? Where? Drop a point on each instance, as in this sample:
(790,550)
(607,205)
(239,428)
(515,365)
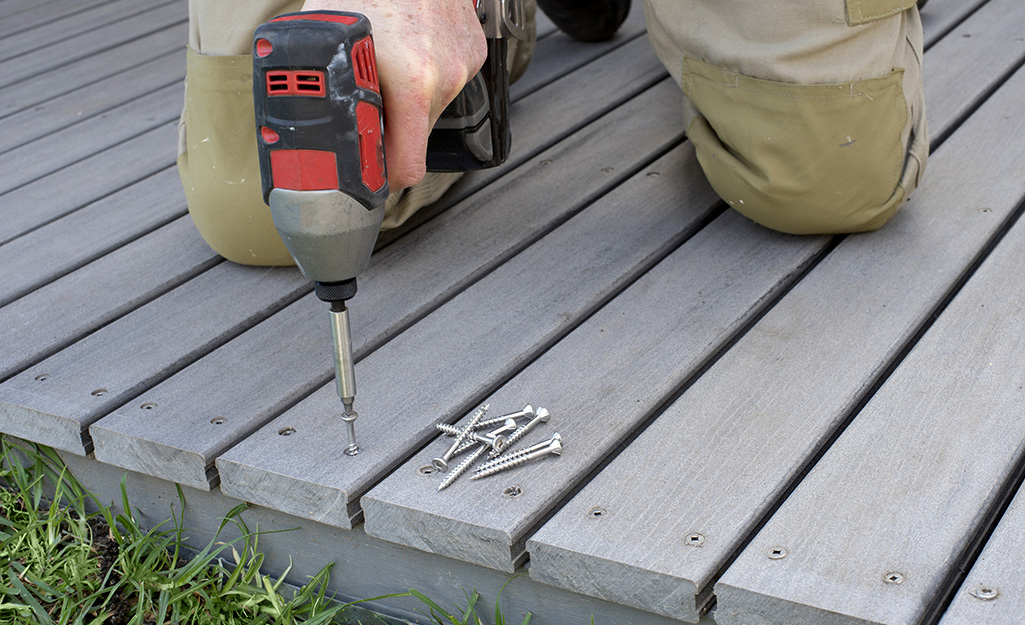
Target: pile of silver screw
(497,442)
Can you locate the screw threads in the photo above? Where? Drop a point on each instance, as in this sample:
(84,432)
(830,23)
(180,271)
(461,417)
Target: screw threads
(518,453)
(554,447)
(463,466)
(541,417)
(442,463)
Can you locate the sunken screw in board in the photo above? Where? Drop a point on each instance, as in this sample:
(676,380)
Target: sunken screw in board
(520,452)
(542,416)
(553,447)
(463,466)
(442,463)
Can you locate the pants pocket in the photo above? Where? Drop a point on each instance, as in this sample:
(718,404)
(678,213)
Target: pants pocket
(862,11)
(803,159)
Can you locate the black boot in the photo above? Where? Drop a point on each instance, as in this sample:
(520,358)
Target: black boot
(586,20)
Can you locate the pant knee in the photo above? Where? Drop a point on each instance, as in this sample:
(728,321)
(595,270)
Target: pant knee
(804,159)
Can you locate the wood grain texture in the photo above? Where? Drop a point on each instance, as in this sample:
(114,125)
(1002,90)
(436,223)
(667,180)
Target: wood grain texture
(62,26)
(31,15)
(78,71)
(90,180)
(117,362)
(912,479)
(802,367)
(491,229)
(94,41)
(50,153)
(63,311)
(82,104)
(997,571)
(61,246)
(981,49)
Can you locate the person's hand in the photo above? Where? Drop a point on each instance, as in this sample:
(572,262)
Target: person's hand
(426,51)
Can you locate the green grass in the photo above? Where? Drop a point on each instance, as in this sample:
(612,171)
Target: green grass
(67,565)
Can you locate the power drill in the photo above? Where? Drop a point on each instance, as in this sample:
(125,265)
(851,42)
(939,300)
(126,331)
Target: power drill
(320,133)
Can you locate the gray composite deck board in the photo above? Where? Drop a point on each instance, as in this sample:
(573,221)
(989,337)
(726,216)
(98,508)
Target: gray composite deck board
(972,59)
(80,72)
(709,435)
(916,477)
(63,245)
(84,103)
(994,591)
(363,566)
(59,313)
(649,341)
(939,17)
(90,378)
(65,26)
(409,515)
(47,154)
(88,181)
(33,14)
(427,257)
(96,40)
(510,220)
(573,53)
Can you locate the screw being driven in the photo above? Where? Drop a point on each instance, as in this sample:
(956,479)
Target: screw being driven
(442,463)
(553,447)
(542,416)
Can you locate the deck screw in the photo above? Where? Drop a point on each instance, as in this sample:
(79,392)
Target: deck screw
(218,420)
(426,470)
(695,539)
(527,412)
(512,491)
(894,578)
(597,512)
(100,392)
(520,452)
(150,405)
(286,431)
(498,442)
(542,416)
(986,593)
(442,463)
(555,447)
(463,466)
(777,553)
(42,377)
(510,425)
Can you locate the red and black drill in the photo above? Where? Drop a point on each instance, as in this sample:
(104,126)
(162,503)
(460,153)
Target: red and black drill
(320,129)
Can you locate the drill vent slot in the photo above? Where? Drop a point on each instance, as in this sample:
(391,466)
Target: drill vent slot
(296,82)
(364,64)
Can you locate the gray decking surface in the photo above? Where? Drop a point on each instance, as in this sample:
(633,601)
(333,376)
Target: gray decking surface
(784,429)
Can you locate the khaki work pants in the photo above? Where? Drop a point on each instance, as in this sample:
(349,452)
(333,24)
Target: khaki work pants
(808,116)
(217,155)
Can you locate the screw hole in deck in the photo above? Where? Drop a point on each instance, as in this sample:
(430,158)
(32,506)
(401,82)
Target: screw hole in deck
(512,491)
(597,512)
(894,578)
(286,431)
(426,470)
(777,553)
(695,539)
(150,405)
(42,377)
(100,392)
(218,420)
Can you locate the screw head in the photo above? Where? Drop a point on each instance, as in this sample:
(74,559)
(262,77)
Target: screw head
(542,415)
(894,578)
(694,539)
(778,552)
(286,431)
(512,491)
(985,592)
(439,464)
(426,470)
(597,512)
